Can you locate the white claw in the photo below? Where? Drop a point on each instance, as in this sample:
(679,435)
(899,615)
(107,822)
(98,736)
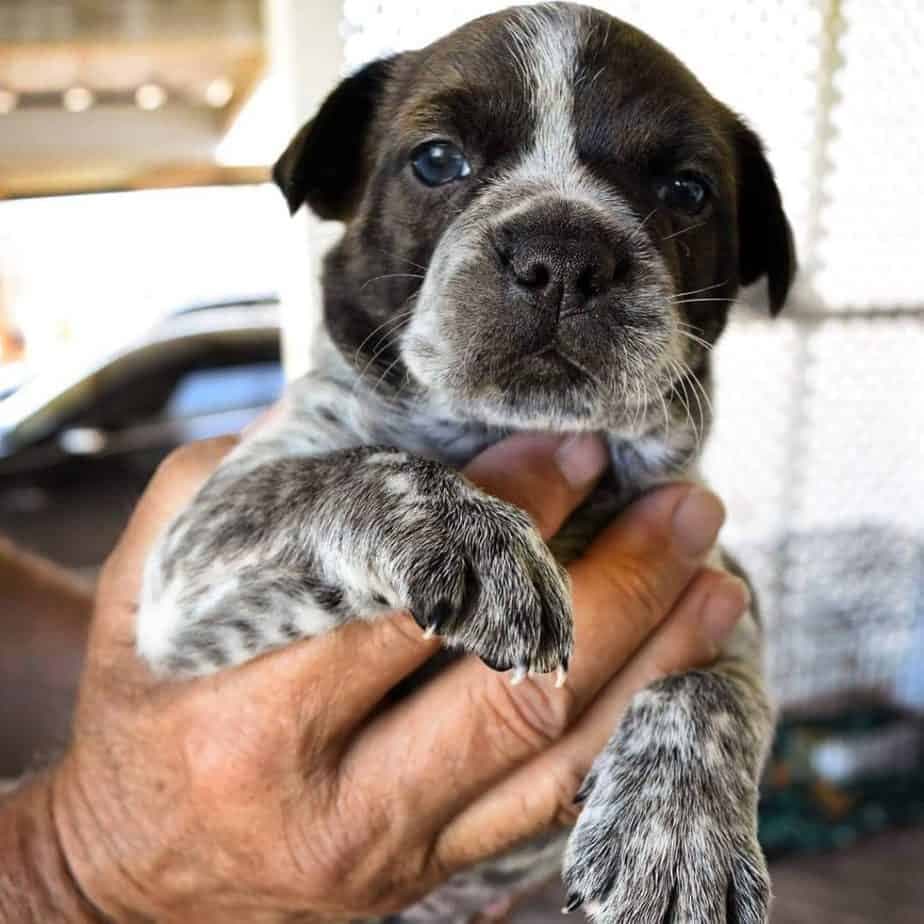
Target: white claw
(518,676)
(561,675)
(430,631)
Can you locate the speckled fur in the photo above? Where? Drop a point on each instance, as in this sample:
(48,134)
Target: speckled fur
(352,505)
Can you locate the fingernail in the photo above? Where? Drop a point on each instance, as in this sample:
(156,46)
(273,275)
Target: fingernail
(697,521)
(724,607)
(581,459)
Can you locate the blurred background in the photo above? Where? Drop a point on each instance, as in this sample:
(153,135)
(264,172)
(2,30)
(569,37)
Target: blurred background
(154,290)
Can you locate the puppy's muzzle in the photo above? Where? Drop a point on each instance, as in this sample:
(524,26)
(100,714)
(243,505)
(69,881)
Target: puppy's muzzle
(560,263)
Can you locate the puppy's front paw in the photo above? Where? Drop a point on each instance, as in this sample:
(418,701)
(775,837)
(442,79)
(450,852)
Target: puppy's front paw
(667,832)
(482,579)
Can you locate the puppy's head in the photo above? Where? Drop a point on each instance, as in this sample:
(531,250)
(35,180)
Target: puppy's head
(547,219)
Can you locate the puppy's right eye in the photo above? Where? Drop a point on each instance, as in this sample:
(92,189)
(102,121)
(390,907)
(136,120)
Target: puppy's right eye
(438,162)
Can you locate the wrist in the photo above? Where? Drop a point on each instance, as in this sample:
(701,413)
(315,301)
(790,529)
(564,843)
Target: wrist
(36,881)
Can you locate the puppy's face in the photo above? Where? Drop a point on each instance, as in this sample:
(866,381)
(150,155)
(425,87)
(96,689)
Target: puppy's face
(547,219)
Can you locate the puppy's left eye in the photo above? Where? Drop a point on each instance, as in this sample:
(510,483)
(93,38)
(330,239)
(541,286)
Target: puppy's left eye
(439,162)
(684,192)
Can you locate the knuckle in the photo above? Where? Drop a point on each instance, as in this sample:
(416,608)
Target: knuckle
(636,586)
(383,866)
(341,847)
(436,862)
(533,714)
(324,866)
(402,882)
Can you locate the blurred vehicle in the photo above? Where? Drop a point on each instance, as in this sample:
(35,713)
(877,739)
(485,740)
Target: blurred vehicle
(77,444)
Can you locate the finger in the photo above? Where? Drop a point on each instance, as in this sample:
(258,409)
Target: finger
(632,578)
(626,584)
(540,794)
(545,475)
(335,680)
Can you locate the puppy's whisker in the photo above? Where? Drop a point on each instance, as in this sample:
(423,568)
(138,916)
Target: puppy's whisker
(399,316)
(630,384)
(395,256)
(642,400)
(716,285)
(385,340)
(679,382)
(693,338)
(697,423)
(384,375)
(703,401)
(391,276)
(593,79)
(405,381)
(698,385)
(666,413)
(694,333)
(640,226)
(670,237)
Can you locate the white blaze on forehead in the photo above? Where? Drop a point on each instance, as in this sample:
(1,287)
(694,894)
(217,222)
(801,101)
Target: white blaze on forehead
(547,45)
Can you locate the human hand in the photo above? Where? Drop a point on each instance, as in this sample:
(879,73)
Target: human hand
(282,790)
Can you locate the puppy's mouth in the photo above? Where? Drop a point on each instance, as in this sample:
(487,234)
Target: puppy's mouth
(552,367)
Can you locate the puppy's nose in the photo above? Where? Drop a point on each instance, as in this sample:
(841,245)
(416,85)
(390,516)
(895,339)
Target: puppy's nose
(561,272)
(541,266)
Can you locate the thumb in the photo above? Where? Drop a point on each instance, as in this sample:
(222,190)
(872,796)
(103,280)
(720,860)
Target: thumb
(546,475)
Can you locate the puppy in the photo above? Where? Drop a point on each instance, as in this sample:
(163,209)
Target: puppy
(547,220)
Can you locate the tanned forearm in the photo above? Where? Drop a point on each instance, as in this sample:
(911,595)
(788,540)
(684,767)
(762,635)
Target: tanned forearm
(36,886)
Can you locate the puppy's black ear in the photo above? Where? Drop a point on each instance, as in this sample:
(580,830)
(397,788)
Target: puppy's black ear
(765,243)
(324,164)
